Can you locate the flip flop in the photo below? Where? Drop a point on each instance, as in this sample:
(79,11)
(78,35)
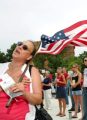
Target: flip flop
(58,114)
(62,115)
(74,116)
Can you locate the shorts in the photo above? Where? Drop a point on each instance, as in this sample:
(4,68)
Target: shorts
(78,92)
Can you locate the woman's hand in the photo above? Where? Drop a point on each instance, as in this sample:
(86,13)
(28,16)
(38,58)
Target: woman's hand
(26,81)
(21,86)
(73,85)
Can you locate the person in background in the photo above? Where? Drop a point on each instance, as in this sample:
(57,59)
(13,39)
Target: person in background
(50,76)
(42,78)
(65,73)
(76,88)
(61,92)
(84,93)
(70,91)
(47,90)
(20,108)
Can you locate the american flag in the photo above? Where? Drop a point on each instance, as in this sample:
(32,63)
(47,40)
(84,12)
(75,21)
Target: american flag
(75,35)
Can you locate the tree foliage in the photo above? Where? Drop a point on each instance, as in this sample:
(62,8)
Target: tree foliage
(2,57)
(9,52)
(83,55)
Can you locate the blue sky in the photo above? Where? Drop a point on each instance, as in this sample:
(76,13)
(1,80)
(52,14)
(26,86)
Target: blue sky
(29,19)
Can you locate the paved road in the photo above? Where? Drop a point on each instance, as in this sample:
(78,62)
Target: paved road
(55,110)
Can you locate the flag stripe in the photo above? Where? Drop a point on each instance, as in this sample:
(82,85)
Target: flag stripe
(76,25)
(79,42)
(64,44)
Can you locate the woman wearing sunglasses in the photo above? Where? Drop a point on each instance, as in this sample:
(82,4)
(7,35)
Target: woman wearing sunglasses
(76,88)
(10,73)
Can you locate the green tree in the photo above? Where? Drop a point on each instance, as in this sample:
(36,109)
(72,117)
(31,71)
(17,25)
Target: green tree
(68,62)
(54,61)
(9,52)
(83,55)
(2,57)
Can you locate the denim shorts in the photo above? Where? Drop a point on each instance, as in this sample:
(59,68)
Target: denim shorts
(78,92)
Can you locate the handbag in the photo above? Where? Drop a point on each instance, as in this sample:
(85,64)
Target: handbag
(42,114)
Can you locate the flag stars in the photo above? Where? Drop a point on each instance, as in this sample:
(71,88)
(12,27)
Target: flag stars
(46,37)
(45,41)
(60,34)
(52,40)
(58,38)
(49,39)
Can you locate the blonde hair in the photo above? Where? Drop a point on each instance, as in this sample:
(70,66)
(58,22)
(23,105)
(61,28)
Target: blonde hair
(77,66)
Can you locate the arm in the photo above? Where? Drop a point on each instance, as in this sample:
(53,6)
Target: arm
(49,84)
(70,78)
(36,96)
(79,78)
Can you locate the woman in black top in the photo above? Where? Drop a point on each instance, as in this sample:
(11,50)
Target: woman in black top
(76,87)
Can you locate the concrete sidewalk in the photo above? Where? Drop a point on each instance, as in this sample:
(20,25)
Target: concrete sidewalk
(55,110)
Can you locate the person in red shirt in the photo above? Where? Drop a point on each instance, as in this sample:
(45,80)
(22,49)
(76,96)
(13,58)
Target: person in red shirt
(65,73)
(61,92)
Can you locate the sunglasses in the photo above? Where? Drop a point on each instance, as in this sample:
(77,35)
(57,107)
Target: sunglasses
(85,60)
(25,47)
(73,67)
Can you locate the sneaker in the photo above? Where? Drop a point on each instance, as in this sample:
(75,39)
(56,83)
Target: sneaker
(72,109)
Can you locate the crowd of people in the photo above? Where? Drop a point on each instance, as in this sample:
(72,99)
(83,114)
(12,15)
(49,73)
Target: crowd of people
(36,86)
(71,83)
